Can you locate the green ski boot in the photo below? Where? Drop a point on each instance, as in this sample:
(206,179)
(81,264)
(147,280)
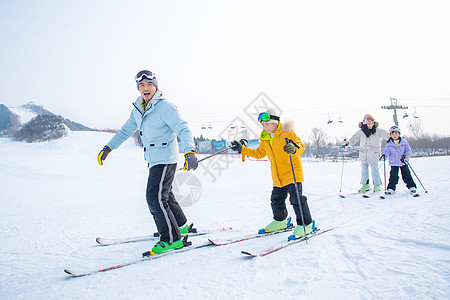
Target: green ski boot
(276,225)
(364,188)
(299,232)
(161,246)
(376,188)
(188,229)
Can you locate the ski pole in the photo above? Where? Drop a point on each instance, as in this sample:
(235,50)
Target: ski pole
(409,165)
(342,174)
(296,187)
(242,141)
(208,157)
(384,165)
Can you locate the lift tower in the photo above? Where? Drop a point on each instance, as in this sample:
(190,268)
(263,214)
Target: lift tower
(394,106)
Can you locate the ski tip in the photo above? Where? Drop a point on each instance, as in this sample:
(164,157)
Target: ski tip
(98,240)
(67,271)
(342,196)
(248,254)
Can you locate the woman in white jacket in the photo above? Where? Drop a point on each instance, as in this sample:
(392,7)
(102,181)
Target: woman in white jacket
(369,137)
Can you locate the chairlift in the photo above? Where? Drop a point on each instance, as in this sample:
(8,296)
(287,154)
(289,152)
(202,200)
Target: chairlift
(405,115)
(203,126)
(329,120)
(242,126)
(233,127)
(340,119)
(210,126)
(415,113)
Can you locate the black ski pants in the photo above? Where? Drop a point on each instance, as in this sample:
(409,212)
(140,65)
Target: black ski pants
(165,209)
(406,176)
(278,202)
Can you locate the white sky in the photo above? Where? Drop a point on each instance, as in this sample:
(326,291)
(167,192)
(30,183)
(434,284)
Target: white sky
(213,58)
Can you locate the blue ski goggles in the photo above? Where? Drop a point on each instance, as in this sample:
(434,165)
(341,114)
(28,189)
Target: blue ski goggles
(139,76)
(264,117)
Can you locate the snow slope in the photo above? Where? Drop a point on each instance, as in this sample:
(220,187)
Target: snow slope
(24,114)
(55,200)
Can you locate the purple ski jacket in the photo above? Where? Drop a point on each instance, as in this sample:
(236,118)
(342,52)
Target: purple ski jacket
(395,153)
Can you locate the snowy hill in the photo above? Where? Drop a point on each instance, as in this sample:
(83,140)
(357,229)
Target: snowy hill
(28,111)
(55,200)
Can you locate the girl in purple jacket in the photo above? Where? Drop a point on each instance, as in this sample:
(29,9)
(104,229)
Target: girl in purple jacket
(398,151)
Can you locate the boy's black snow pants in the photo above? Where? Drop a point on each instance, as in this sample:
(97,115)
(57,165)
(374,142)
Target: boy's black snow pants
(165,209)
(278,202)
(406,176)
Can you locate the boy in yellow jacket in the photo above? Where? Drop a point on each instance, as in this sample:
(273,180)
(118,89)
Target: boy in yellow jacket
(273,144)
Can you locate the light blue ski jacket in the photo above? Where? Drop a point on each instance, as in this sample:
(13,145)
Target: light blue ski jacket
(159,125)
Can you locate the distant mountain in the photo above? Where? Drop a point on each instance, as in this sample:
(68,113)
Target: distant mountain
(42,128)
(12,119)
(36,109)
(74,126)
(8,121)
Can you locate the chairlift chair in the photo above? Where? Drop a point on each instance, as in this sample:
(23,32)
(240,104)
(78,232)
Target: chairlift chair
(329,120)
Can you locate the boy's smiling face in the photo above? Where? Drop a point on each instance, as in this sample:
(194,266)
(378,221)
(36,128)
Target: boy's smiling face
(269,127)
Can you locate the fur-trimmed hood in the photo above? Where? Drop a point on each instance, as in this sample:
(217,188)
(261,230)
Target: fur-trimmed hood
(288,126)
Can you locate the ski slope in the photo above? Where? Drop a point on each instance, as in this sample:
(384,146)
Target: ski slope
(55,200)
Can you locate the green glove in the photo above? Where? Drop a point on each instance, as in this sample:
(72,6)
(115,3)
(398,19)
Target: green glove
(103,154)
(191,162)
(289,148)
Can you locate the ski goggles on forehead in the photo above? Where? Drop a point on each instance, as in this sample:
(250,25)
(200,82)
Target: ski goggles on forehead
(264,117)
(368,120)
(139,76)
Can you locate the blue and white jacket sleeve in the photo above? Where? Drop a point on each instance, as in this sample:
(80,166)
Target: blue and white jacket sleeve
(181,129)
(124,133)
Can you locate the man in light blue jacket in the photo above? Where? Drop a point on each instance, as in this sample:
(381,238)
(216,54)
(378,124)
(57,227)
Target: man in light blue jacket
(159,124)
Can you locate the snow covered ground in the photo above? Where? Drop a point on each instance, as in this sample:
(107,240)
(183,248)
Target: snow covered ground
(55,200)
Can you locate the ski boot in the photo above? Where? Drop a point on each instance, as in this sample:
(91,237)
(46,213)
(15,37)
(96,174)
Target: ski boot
(299,232)
(188,229)
(275,226)
(389,192)
(412,190)
(161,247)
(365,188)
(185,229)
(376,188)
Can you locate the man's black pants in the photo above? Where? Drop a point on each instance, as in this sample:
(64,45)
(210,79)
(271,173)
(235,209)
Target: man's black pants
(165,209)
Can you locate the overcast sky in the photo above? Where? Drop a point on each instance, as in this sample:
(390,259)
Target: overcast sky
(314,59)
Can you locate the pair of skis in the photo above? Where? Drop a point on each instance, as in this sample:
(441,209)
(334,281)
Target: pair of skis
(189,247)
(371,194)
(415,194)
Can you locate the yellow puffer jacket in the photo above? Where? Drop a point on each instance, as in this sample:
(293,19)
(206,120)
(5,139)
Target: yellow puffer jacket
(280,164)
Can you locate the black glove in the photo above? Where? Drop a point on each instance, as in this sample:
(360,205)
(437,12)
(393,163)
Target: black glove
(344,143)
(191,162)
(404,159)
(289,148)
(103,154)
(383,157)
(236,146)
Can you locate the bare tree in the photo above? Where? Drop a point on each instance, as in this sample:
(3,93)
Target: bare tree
(415,127)
(318,139)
